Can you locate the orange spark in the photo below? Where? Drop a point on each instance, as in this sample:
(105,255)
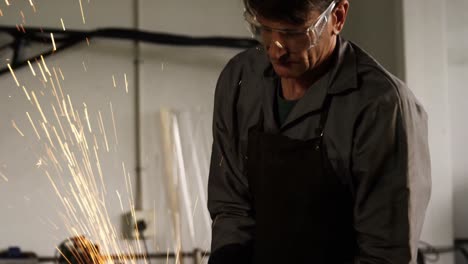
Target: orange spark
(4,177)
(32,124)
(126,83)
(26,92)
(120,199)
(16,127)
(60,70)
(71,107)
(22,15)
(87,118)
(103,131)
(113,122)
(60,123)
(32,69)
(60,87)
(42,71)
(48,135)
(63,25)
(53,41)
(45,66)
(39,107)
(82,13)
(13,73)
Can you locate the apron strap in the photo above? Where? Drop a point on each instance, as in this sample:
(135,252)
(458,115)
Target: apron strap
(323,115)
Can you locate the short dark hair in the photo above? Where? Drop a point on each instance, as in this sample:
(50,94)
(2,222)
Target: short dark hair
(292,11)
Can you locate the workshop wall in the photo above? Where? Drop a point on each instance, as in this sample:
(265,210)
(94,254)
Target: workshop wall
(457,32)
(426,61)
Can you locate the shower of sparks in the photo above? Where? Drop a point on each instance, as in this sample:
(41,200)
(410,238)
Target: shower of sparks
(53,41)
(32,124)
(16,127)
(63,24)
(84,66)
(82,13)
(113,80)
(113,122)
(32,69)
(72,165)
(13,73)
(126,83)
(39,107)
(3,176)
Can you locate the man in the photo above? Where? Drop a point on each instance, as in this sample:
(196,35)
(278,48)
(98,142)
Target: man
(319,154)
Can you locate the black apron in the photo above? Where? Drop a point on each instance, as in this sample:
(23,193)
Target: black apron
(303,212)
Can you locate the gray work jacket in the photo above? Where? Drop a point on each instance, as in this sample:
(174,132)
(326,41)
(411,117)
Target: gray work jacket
(375,138)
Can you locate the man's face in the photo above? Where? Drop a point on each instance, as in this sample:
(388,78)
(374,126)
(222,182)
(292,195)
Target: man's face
(289,61)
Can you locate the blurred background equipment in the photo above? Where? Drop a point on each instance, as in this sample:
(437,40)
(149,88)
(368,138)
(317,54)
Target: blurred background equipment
(14,255)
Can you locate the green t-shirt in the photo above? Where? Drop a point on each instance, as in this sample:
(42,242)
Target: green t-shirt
(283,107)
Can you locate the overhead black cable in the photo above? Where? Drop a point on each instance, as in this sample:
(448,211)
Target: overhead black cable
(69,38)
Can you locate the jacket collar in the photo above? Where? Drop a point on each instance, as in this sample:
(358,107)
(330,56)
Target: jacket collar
(340,78)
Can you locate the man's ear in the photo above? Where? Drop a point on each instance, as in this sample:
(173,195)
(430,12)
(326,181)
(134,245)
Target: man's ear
(339,16)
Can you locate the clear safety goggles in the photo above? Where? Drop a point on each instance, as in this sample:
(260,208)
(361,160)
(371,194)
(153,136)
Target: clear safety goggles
(292,40)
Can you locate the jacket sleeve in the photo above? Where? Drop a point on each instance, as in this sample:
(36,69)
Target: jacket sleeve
(228,194)
(391,170)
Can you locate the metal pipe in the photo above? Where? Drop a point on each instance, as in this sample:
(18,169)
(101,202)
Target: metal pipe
(136,52)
